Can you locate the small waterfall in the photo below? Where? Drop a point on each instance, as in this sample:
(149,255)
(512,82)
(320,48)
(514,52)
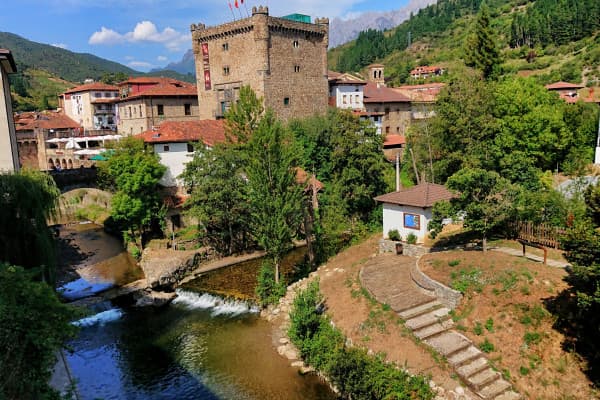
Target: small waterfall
(217,305)
(100,318)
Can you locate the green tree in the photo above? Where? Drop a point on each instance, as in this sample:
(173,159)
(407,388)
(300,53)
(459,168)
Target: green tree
(243,117)
(481,51)
(219,197)
(112,78)
(484,198)
(275,198)
(28,200)
(34,324)
(133,171)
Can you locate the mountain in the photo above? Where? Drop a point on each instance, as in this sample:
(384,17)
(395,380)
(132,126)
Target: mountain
(344,30)
(187,65)
(65,64)
(551,40)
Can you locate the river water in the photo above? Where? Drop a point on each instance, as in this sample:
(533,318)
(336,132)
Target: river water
(200,347)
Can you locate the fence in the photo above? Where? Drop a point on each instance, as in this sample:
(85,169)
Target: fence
(541,234)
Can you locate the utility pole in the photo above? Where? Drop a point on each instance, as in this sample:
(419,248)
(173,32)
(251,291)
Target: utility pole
(398,171)
(409,38)
(597,158)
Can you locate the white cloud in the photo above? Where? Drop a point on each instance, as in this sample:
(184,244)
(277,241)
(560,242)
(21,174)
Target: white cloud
(140,64)
(129,58)
(144,31)
(60,45)
(162,58)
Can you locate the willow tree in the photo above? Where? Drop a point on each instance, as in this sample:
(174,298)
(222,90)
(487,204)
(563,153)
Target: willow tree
(28,200)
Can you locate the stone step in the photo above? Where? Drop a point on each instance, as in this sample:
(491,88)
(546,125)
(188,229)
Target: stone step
(483,378)
(448,343)
(510,395)
(430,318)
(495,389)
(473,367)
(463,357)
(422,309)
(433,330)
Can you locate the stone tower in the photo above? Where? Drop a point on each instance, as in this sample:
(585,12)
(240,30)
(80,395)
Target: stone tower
(283,60)
(376,74)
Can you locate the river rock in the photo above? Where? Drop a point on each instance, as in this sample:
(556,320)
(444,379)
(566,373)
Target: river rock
(290,353)
(298,364)
(152,298)
(284,340)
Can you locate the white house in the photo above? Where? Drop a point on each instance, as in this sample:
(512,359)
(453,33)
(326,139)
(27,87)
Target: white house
(410,210)
(346,91)
(172,141)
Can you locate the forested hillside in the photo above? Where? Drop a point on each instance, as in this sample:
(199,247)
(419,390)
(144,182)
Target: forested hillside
(558,38)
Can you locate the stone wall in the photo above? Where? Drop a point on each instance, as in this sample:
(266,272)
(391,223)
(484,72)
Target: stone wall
(139,115)
(447,296)
(397,118)
(411,250)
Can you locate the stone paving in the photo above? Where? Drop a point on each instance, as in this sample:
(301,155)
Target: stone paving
(519,253)
(388,279)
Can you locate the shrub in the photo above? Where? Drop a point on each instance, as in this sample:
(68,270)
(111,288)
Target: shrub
(411,238)
(489,325)
(478,329)
(453,263)
(355,373)
(393,234)
(532,338)
(487,346)
(135,252)
(267,291)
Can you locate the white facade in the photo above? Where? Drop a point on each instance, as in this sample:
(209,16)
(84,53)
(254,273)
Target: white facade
(9,157)
(174,156)
(402,217)
(348,96)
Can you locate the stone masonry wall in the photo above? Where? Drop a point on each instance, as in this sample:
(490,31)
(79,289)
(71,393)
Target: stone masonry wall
(136,122)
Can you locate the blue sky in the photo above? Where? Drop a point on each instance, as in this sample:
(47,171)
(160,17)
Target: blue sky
(145,34)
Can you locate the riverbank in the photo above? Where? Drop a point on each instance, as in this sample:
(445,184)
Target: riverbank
(364,322)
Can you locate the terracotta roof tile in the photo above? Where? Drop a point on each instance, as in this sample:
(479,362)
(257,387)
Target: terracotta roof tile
(302,178)
(563,85)
(44,120)
(168,89)
(381,94)
(394,140)
(425,69)
(92,86)
(423,195)
(210,132)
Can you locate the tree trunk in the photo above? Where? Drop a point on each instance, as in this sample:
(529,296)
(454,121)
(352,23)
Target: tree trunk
(277,262)
(484,243)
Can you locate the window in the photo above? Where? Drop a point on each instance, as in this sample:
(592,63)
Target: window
(140,110)
(187,109)
(97,94)
(387,129)
(190,148)
(296,68)
(397,129)
(296,44)
(160,109)
(225,71)
(344,99)
(412,221)
(166,147)
(286,101)
(357,99)
(130,114)
(225,46)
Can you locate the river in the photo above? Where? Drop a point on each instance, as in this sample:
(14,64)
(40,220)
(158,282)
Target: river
(200,347)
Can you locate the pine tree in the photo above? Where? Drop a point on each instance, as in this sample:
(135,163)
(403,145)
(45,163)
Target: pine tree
(481,51)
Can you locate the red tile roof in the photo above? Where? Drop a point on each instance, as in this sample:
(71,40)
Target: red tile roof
(394,140)
(563,85)
(45,120)
(423,195)
(425,69)
(92,86)
(210,132)
(168,89)
(381,94)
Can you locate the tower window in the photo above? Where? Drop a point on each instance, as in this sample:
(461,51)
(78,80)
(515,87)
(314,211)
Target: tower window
(296,68)
(225,71)
(160,109)
(225,46)
(187,108)
(296,44)
(286,101)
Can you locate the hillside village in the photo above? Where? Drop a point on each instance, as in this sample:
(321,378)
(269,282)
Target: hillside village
(476,184)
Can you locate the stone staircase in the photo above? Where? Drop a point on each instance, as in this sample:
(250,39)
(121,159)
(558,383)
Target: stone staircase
(430,322)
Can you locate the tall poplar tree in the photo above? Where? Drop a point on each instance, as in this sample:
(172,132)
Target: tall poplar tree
(481,51)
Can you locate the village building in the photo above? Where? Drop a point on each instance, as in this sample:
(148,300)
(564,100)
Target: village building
(425,71)
(395,106)
(91,105)
(173,141)
(50,140)
(410,210)
(346,91)
(146,102)
(9,158)
(284,60)
(569,92)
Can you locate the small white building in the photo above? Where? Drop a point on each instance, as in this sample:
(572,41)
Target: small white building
(346,91)
(172,141)
(410,210)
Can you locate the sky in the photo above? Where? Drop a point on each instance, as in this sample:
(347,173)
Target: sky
(147,34)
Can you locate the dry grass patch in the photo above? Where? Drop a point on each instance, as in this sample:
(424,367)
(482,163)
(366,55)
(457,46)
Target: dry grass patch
(503,312)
